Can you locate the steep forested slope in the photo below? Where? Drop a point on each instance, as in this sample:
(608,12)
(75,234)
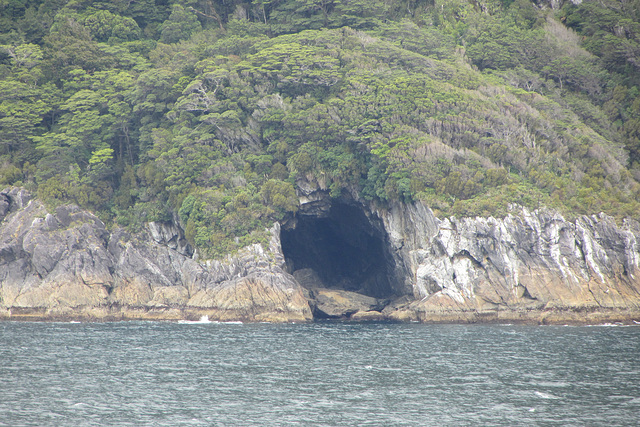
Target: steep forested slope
(210,112)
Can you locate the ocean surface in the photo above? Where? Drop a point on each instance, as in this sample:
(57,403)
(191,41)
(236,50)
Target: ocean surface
(333,374)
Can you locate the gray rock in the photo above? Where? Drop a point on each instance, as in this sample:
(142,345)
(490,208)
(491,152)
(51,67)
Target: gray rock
(529,266)
(67,265)
(4,205)
(486,264)
(170,235)
(308,278)
(335,303)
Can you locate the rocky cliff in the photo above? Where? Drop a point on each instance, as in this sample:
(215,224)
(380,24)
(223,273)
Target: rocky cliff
(338,259)
(531,266)
(65,264)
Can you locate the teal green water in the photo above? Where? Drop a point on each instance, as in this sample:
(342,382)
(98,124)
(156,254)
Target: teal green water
(167,374)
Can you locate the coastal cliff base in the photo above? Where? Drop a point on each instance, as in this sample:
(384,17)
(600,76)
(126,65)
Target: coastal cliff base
(400,263)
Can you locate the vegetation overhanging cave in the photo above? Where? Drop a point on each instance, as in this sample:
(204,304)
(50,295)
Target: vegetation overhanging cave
(344,249)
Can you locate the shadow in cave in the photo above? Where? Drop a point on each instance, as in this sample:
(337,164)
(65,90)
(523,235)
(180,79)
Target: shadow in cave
(344,249)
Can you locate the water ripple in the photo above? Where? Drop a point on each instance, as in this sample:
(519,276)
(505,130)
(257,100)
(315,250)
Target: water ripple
(206,373)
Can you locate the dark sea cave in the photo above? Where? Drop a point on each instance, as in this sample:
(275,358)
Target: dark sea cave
(344,248)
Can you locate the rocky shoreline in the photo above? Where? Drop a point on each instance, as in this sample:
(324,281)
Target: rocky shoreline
(531,317)
(530,267)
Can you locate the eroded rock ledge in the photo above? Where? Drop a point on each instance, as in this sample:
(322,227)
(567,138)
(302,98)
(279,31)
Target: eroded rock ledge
(528,267)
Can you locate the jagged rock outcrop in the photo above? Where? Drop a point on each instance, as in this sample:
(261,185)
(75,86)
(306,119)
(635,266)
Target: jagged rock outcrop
(67,265)
(529,267)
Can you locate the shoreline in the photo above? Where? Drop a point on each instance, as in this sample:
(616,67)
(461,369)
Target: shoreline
(556,316)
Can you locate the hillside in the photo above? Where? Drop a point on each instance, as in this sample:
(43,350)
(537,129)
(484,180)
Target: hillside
(213,114)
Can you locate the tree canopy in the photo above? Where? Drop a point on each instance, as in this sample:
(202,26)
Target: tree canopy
(210,113)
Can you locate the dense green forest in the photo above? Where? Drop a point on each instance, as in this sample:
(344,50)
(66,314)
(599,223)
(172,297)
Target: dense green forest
(209,112)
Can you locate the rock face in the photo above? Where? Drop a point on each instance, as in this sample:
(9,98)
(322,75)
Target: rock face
(67,265)
(529,267)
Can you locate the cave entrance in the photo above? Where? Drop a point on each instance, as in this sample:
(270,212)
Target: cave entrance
(344,250)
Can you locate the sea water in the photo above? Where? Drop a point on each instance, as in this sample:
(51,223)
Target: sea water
(333,374)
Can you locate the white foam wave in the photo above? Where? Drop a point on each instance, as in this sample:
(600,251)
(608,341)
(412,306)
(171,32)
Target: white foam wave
(543,395)
(610,325)
(552,384)
(203,319)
